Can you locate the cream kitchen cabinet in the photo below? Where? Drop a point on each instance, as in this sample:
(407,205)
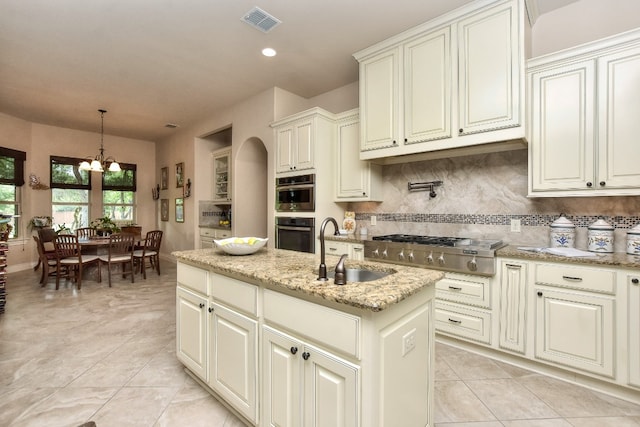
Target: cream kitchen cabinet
(456,81)
(575,317)
(354,251)
(222,176)
(303,137)
(633,331)
(298,376)
(513,291)
(192,319)
(583,123)
(356,180)
(463,307)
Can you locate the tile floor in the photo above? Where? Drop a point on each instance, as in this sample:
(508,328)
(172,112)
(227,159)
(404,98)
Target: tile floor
(108,355)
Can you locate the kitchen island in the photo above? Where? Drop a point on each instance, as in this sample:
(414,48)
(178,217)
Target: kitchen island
(279,347)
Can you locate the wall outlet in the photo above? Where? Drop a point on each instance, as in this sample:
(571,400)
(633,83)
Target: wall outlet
(374,220)
(515,225)
(408,341)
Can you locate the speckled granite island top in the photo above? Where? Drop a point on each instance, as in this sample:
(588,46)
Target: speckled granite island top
(297,271)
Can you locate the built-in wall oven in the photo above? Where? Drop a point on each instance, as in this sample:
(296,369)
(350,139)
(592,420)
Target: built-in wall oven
(296,193)
(296,234)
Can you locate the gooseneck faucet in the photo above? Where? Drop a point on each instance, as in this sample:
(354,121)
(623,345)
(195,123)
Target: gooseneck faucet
(322,270)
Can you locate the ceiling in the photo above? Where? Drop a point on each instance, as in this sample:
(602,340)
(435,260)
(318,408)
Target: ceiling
(153,62)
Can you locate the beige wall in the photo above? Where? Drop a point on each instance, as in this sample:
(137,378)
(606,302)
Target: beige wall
(583,21)
(41,141)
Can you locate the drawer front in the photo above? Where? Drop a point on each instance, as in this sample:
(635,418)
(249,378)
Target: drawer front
(583,278)
(465,289)
(336,248)
(223,234)
(329,327)
(235,293)
(193,278)
(463,322)
(208,232)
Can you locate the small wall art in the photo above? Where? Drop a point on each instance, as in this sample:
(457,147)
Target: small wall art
(179,209)
(179,175)
(164,210)
(164,178)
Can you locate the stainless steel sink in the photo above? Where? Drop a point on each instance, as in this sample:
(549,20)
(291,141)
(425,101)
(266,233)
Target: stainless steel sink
(360,275)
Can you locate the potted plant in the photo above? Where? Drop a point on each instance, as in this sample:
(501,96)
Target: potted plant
(104,226)
(39,222)
(5,229)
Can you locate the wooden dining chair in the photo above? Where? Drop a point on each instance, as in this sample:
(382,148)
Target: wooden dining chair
(85,232)
(47,259)
(70,260)
(46,236)
(151,250)
(120,252)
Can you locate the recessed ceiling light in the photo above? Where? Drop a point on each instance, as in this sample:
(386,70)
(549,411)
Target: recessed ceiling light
(267,51)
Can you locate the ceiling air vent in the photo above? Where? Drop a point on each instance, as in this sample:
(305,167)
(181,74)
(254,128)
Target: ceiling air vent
(260,19)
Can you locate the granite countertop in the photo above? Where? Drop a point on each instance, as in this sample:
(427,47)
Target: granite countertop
(617,259)
(297,271)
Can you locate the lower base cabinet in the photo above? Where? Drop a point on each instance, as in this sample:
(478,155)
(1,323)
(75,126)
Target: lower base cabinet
(297,375)
(233,364)
(280,360)
(632,281)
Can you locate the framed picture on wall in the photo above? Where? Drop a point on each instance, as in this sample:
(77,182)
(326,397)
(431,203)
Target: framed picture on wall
(164,178)
(179,175)
(179,209)
(164,210)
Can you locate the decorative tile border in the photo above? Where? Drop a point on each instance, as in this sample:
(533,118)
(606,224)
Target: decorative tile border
(533,220)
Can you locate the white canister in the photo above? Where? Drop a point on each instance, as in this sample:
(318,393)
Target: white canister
(633,240)
(600,237)
(562,234)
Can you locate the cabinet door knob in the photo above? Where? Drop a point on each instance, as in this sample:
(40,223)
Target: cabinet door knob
(602,183)
(539,293)
(210,309)
(394,142)
(201,305)
(405,140)
(635,281)
(589,184)
(294,350)
(460,130)
(305,355)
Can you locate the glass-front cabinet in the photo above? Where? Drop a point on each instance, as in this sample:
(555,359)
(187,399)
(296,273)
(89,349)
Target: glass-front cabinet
(222,176)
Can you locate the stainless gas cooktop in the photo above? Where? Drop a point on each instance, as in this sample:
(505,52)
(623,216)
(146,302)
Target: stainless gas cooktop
(456,254)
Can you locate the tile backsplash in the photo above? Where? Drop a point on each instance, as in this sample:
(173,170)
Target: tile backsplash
(479,197)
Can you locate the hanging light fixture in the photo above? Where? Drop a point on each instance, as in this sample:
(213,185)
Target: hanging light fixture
(100,163)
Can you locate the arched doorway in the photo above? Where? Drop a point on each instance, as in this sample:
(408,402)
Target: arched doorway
(250,183)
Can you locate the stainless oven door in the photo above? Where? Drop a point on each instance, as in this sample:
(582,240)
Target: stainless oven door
(295,234)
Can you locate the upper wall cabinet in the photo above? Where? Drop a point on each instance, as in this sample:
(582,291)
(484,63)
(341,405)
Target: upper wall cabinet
(356,180)
(584,109)
(456,81)
(297,136)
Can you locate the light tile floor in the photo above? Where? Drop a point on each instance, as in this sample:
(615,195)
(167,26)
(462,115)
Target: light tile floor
(108,355)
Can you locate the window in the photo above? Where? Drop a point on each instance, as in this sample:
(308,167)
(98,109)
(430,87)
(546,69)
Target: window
(69,192)
(11,179)
(118,193)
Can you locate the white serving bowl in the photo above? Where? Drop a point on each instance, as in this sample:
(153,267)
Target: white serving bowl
(241,245)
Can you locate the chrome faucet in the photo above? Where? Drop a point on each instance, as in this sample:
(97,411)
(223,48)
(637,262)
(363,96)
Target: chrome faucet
(322,270)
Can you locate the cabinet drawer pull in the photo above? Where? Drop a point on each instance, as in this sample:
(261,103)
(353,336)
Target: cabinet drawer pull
(333,249)
(457,322)
(357,249)
(635,281)
(513,265)
(572,279)
(455,288)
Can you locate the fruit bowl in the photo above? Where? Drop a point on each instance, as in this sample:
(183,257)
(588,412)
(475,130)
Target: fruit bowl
(241,245)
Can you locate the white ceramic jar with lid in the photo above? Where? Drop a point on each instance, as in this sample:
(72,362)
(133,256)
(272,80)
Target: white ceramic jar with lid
(633,240)
(562,234)
(600,237)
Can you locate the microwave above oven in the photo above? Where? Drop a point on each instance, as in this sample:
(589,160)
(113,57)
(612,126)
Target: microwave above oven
(296,193)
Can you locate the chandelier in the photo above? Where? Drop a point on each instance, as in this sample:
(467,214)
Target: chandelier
(100,163)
